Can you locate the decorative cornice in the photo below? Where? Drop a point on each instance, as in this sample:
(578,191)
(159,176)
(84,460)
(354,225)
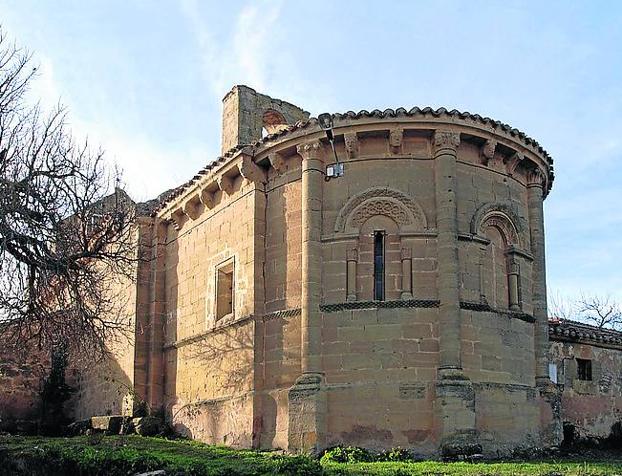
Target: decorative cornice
(485,307)
(414,115)
(573,331)
(345,306)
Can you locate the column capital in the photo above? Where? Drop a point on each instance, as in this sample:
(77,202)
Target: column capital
(536,178)
(445,139)
(309,150)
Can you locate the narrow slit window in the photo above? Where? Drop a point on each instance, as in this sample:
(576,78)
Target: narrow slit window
(584,369)
(379,265)
(224,291)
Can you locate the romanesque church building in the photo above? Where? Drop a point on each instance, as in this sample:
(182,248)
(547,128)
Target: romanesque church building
(373,279)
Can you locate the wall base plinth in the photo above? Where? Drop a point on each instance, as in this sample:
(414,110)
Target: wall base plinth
(551,426)
(456,411)
(307,414)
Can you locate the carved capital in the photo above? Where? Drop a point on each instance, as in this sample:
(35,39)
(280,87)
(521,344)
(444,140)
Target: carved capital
(225,184)
(513,162)
(536,178)
(278,162)
(352,254)
(406,253)
(395,139)
(488,151)
(351,142)
(250,170)
(310,150)
(445,139)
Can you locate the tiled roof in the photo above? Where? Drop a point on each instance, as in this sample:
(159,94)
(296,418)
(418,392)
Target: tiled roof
(567,330)
(363,114)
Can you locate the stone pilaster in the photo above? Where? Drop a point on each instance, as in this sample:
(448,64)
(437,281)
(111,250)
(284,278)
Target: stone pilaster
(157,317)
(455,394)
(307,398)
(446,143)
(535,198)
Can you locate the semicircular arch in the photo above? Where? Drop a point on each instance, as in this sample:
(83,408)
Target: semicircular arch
(401,208)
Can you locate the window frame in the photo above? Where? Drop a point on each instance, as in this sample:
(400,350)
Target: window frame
(379,275)
(584,370)
(217,271)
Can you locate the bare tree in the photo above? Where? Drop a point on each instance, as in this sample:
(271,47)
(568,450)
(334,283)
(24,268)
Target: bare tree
(601,311)
(66,233)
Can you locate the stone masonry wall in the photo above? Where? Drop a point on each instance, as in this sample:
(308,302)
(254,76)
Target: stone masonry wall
(22,371)
(591,406)
(209,367)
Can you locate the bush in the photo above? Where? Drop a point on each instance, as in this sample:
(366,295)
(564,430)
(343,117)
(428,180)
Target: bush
(396,454)
(348,454)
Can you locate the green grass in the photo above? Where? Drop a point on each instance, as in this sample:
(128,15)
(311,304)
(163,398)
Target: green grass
(434,468)
(116,455)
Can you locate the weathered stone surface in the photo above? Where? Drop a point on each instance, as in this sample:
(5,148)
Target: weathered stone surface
(443,350)
(147,426)
(109,424)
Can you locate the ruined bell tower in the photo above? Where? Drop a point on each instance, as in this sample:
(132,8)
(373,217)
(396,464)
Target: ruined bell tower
(248,115)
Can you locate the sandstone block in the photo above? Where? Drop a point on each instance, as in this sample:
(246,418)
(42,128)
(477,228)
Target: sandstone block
(109,424)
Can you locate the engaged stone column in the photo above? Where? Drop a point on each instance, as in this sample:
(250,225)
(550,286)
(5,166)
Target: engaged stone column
(513,280)
(352,258)
(455,401)
(535,197)
(407,290)
(307,399)
(446,142)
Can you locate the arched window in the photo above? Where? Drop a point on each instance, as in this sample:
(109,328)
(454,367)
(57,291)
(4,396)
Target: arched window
(379,264)
(500,279)
(380,268)
(272,122)
(496,269)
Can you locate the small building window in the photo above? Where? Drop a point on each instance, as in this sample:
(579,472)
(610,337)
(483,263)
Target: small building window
(553,372)
(584,369)
(379,265)
(225,290)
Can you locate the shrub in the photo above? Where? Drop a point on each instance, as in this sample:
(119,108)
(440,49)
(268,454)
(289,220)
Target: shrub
(348,454)
(396,454)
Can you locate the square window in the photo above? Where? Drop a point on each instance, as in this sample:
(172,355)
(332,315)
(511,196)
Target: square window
(225,290)
(584,369)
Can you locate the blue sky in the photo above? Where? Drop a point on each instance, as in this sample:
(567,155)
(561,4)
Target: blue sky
(145,80)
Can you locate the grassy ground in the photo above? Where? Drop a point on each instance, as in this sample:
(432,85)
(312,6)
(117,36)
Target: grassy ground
(115,455)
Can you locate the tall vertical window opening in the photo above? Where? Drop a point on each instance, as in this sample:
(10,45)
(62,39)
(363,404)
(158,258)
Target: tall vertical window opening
(379,265)
(224,290)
